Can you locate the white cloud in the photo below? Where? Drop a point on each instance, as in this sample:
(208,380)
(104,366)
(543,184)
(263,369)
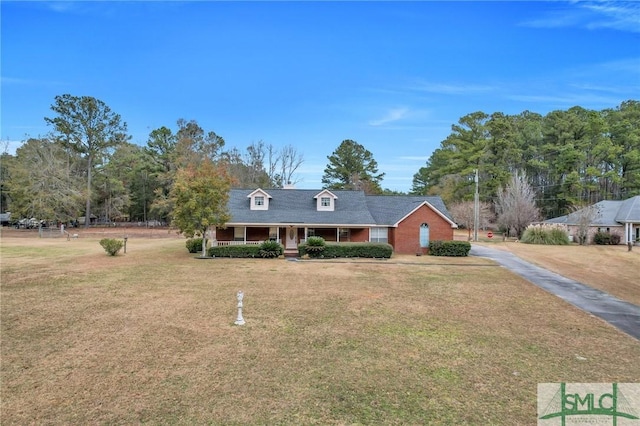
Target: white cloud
(621,16)
(391,116)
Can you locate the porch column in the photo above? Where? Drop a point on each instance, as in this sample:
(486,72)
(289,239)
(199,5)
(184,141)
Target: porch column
(338,234)
(627,233)
(245,235)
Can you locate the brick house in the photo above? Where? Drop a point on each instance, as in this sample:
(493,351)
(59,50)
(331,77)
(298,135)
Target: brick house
(290,216)
(618,217)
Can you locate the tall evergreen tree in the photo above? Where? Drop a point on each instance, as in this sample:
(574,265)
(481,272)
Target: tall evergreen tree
(88,126)
(352,166)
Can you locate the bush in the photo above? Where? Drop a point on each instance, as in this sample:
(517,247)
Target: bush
(194,245)
(449,248)
(243,251)
(335,250)
(111,245)
(549,234)
(606,238)
(315,246)
(271,249)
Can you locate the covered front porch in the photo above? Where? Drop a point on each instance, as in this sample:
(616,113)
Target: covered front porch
(289,235)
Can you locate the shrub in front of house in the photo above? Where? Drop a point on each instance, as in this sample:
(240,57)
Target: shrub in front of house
(194,245)
(271,249)
(111,245)
(243,251)
(546,233)
(449,248)
(348,250)
(606,238)
(315,246)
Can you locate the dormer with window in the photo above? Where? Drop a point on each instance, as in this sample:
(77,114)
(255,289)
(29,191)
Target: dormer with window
(326,201)
(259,200)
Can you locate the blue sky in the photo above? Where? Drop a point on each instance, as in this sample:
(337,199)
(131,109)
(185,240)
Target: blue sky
(393,76)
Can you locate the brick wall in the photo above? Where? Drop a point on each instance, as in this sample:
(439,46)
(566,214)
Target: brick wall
(406,237)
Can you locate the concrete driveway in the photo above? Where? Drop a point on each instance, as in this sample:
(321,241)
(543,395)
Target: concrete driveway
(622,315)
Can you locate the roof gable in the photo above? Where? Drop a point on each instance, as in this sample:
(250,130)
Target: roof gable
(390,210)
(629,211)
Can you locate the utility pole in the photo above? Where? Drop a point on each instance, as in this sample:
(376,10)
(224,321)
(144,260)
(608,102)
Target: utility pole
(476,209)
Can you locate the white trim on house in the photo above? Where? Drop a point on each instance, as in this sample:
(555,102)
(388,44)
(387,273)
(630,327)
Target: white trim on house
(426,203)
(259,200)
(325,201)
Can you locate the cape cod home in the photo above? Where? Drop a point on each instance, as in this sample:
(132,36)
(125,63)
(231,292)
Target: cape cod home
(290,216)
(620,217)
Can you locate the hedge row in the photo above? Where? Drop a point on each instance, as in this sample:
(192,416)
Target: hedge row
(334,250)
(268,249)
(449,248)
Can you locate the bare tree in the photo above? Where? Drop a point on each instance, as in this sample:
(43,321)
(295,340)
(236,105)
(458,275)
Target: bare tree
(515,206)
(463,214)
(584,217)
(290,160)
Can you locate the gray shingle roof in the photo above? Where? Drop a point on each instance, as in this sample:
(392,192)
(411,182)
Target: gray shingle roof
(629,211)
(291,206)
(611,213)
(390,209)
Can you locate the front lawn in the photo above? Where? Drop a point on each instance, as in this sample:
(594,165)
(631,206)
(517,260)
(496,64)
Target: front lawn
(148,337)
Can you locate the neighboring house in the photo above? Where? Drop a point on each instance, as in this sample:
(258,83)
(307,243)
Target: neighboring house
(290,216)
(621,217)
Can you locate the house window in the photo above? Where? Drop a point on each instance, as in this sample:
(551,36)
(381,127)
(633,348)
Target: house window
(344,234)
(424,235)
(238,233)
(259,200)
(311,232)
(273,233)
(325,202)
(379,235)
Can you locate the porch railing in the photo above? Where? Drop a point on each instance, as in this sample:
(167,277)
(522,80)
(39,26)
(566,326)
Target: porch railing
(235,243)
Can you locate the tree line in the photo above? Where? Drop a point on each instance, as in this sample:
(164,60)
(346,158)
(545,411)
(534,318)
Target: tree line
(570,158)
(88,167)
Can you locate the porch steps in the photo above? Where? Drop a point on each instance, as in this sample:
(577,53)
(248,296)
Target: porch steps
(290,253)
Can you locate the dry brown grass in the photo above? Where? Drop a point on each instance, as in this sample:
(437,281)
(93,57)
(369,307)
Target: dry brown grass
(148,337)
(612,269)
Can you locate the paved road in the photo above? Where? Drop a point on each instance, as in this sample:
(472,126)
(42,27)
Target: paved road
(623,315)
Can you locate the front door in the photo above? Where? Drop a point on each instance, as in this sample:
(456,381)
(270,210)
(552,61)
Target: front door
(291,241)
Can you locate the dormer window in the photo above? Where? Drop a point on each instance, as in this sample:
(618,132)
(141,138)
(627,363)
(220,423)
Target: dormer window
(259,200)
(326,201)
